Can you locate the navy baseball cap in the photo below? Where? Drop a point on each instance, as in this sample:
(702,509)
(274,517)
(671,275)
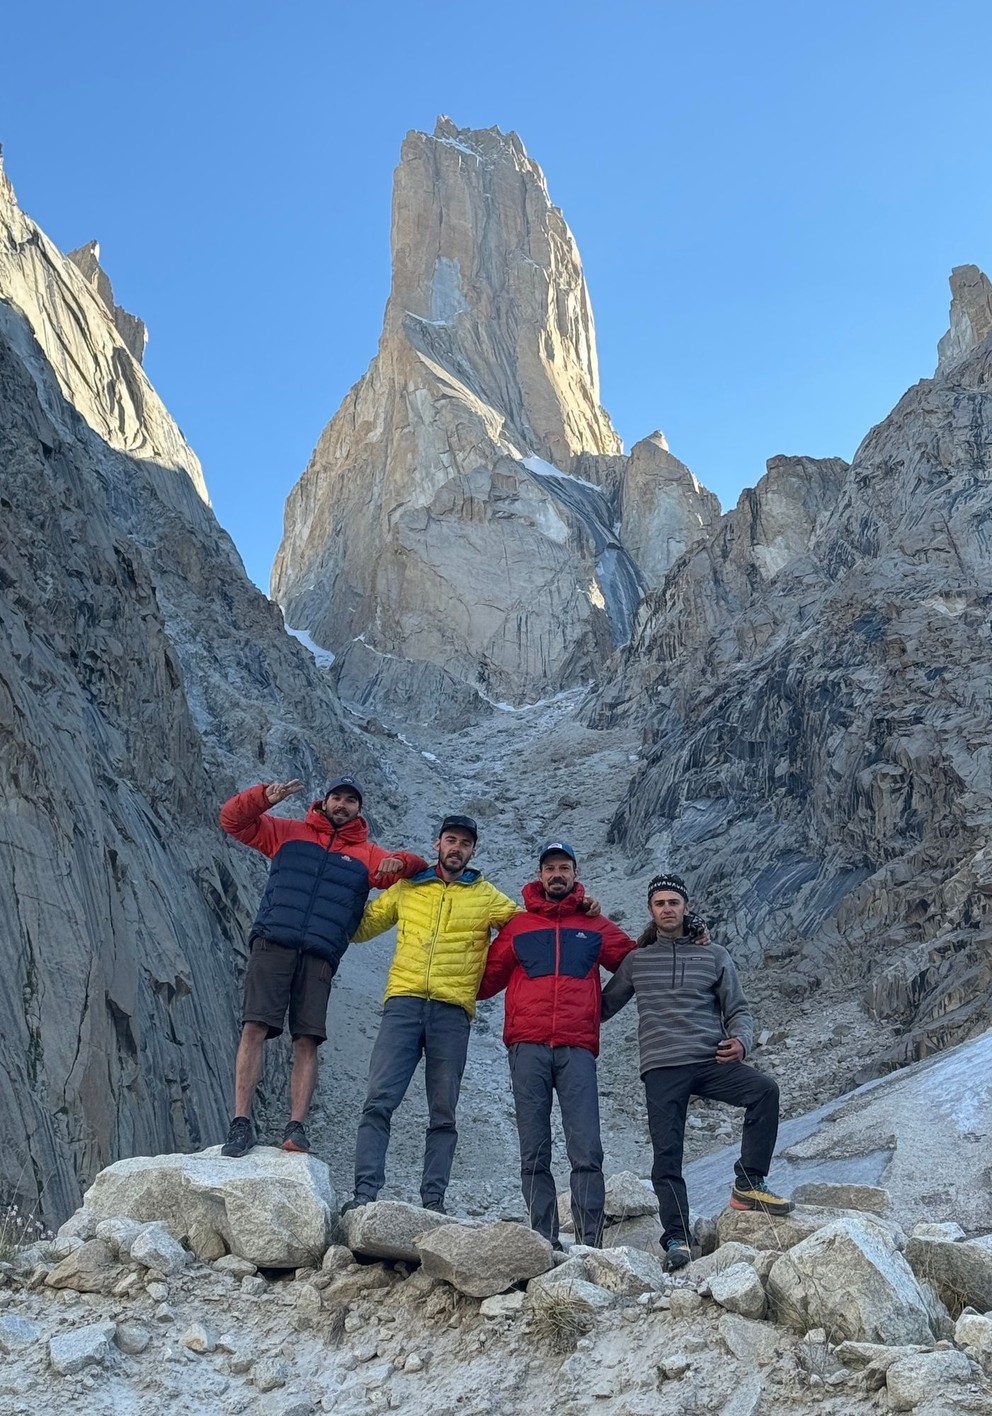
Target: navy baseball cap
(460,823)
(352,783)
(561,846)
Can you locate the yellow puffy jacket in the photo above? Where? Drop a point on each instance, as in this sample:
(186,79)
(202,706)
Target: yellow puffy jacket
(443,935)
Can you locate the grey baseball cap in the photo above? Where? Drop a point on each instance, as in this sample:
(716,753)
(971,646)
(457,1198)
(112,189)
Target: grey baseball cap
(352,783)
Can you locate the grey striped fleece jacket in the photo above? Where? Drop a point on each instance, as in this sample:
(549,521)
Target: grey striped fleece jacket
(688,998)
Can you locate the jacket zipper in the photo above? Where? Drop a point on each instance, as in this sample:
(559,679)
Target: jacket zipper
(554,1004)
(430,952)
(317,879)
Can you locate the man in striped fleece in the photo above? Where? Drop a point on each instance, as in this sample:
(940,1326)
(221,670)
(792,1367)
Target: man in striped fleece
(694,1031)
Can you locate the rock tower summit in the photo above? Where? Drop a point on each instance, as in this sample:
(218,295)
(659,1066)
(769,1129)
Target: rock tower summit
(456,529)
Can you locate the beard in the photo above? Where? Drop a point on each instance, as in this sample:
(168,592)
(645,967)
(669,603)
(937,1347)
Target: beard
(557,889)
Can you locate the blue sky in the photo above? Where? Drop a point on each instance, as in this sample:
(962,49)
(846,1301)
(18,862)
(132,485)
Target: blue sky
(768,199)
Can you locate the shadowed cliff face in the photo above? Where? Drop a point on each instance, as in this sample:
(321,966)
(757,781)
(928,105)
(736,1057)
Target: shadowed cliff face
(819,752)
(456,528)
(142,681)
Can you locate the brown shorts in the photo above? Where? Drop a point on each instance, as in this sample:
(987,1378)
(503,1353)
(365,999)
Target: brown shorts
(278,978)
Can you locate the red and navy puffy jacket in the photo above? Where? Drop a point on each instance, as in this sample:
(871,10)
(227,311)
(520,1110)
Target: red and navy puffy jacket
(548,958)
(320,875)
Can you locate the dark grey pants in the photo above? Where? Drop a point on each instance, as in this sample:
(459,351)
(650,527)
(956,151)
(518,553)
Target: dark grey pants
(412,1028)
(537,1072)
(668,1090)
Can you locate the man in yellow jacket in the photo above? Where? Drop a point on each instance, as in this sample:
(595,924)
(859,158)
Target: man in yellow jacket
(445,916)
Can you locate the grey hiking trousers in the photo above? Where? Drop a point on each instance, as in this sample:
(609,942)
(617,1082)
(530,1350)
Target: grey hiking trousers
(537,1072)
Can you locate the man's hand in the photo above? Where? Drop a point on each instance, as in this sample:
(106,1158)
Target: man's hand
(592,907)
(731,1049)
(388,870)
(279,791)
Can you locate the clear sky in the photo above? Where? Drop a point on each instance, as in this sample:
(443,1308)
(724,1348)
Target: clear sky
(768,198)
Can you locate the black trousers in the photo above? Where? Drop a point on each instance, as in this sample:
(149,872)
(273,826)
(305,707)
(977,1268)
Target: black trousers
(668,1090)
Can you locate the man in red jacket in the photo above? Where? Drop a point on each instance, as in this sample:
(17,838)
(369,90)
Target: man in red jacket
(548,959)
(322,870)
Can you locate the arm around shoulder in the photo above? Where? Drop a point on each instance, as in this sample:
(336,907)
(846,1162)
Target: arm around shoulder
(379,915)
(620,989)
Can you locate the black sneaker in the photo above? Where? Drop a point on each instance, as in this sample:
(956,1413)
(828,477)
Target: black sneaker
(677,1254)
(357,1202)
(294,1138)
(240,1138)
(434,1206)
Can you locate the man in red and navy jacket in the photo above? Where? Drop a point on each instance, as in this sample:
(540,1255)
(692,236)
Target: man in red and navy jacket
(548,960)
(322,870)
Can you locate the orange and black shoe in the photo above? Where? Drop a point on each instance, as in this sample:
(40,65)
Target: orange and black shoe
(294,1138)
(754,1195)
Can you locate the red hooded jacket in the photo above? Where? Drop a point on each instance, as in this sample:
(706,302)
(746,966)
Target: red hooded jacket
(548,958)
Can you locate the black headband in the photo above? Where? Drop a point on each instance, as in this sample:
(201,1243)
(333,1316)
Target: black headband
(668,882)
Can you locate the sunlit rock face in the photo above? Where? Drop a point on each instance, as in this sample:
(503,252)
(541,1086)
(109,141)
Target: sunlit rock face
(815,681)
(457,526)
(143,679)
(68,314)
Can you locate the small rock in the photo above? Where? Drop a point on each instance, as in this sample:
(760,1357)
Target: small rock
(870,1199)
(81,1225)
(233,1264)
(132,1338)
(118,1234)
(910,1381)
(972,1330)
(674,1366)
(945,1229)
(253,1285)
(415,1362)
(337,1258)
(17,1332)
(501,1305)
(89,1346)
(165,1314)
(270,1373)
(199,1338)
(155,1248)
(157,1292)
(684,1302)
(739,1290)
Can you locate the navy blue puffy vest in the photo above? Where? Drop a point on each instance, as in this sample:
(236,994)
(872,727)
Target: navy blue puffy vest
(313,900)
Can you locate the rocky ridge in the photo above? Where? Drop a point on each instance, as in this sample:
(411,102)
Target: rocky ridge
(142,680)
(834,1308)
(813,681)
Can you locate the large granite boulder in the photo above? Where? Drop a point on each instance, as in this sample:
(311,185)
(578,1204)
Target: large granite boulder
(389,1229)
(484,1259)
(850,1280)
(272,1208)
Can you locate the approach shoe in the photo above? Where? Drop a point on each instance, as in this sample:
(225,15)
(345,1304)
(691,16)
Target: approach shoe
(677,1254)
(757,1196)
(240,1138)
(434,1206)
(294,1138)
(357,1202)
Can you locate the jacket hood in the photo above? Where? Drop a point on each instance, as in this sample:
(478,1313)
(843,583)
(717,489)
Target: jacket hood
(537,902)
(468,876)
(352,833)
